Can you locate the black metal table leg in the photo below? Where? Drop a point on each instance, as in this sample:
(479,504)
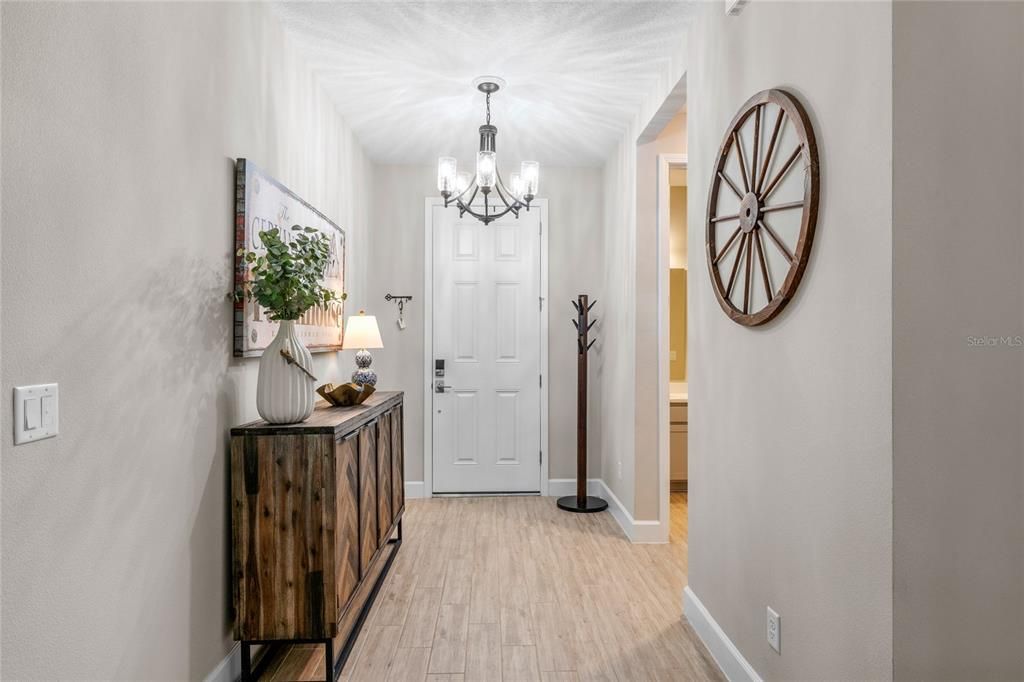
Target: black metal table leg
(330,673)
(246,663)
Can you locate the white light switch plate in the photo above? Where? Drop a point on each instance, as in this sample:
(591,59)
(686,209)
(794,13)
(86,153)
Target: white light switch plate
(35,413)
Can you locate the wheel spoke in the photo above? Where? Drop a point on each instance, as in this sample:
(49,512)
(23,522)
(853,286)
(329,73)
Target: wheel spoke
(782,173)
(782,207)
(738,142)
(728,245)
(746,280)
(757,145)
(771,151)
(732,185)
(765,275)
(778,242)
(723,218)
(736,266)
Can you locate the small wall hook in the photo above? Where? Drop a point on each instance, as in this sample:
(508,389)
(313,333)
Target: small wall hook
(401,307)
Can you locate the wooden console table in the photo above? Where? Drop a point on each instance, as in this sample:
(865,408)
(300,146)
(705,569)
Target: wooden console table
(314,508)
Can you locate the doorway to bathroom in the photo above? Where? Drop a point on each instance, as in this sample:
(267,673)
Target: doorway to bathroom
(672,223)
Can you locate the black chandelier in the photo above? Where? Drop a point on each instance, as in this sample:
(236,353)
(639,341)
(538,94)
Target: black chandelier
(463,188)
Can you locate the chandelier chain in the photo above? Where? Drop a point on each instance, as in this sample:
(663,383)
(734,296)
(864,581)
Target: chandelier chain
(488,108)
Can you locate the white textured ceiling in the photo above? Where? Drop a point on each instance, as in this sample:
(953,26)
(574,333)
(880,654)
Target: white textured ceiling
(401,73)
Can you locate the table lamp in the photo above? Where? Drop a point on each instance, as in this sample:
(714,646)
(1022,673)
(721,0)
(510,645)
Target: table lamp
(361,332)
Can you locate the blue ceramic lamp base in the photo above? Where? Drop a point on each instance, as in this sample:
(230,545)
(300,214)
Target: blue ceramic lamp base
(363,373)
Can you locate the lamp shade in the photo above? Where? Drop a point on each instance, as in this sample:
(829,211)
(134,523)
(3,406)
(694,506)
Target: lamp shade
(361,331)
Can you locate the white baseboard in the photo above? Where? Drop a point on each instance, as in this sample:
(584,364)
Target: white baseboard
(639,532)
(725,653)
(230,669)
(414,489)
(560,487)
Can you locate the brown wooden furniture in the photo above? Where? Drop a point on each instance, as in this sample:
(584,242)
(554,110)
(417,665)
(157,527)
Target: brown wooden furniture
(762,177)
(581,503)
(314,508)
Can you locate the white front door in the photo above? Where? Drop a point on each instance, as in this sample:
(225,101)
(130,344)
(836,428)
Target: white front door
(487,334)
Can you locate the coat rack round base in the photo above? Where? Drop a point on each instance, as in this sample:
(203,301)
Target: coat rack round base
(581,503)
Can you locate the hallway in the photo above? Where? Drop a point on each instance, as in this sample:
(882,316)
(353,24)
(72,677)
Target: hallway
(509,588)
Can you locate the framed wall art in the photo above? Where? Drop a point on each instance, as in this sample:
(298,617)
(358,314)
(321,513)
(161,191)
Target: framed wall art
(262,203)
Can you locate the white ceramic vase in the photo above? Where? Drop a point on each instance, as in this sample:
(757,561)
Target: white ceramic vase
(284,393)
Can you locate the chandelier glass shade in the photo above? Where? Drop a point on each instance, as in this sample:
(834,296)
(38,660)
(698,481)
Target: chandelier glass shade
(484,195)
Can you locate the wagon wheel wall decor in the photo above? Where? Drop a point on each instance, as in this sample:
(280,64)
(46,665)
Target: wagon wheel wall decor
(763,207)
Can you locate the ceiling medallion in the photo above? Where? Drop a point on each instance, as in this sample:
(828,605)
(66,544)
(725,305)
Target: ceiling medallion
(495,199)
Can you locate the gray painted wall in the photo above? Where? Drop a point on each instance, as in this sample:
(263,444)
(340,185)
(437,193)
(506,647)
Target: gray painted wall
(671,140)
(120,126)
(959,244)
(624,336)
(790,424)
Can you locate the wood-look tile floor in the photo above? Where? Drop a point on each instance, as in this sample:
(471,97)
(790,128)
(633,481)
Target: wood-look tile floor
(511,588)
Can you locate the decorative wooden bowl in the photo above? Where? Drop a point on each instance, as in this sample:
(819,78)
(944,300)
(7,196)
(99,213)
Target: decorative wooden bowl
(345,395)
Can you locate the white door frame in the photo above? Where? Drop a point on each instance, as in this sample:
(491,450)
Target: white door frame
(428,344)
(666,162)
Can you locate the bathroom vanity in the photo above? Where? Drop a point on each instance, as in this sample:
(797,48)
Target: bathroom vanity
(679,400)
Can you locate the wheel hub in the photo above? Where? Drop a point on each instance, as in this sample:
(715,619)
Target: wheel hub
(750,211)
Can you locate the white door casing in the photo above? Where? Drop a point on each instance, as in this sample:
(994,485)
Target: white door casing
(486,432)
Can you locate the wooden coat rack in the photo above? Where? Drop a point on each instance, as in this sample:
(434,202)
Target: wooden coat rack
(582,503)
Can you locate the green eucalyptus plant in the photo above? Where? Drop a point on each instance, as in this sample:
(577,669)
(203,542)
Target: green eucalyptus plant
(287,279)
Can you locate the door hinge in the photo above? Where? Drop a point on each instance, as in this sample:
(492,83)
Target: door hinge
(540,381)
(540,457)
(540,303)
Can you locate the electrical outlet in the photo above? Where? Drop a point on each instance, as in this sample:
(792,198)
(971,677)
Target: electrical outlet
(774,632)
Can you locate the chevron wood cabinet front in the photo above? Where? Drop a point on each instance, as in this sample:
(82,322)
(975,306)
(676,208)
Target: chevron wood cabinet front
(315,509)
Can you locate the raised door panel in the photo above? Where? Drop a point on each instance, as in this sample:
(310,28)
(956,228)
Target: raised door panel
(368,540)
(397,463)
(384,477)
(346,521)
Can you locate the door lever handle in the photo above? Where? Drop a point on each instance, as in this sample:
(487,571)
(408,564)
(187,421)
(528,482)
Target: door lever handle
(440,386)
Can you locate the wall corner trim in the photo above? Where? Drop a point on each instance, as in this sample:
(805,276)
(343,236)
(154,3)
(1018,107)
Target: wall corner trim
(638,532)
(230,669)
(414,490)
(726,655)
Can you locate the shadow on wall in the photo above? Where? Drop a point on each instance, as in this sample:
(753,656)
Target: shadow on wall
(182,375)
(190,371)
